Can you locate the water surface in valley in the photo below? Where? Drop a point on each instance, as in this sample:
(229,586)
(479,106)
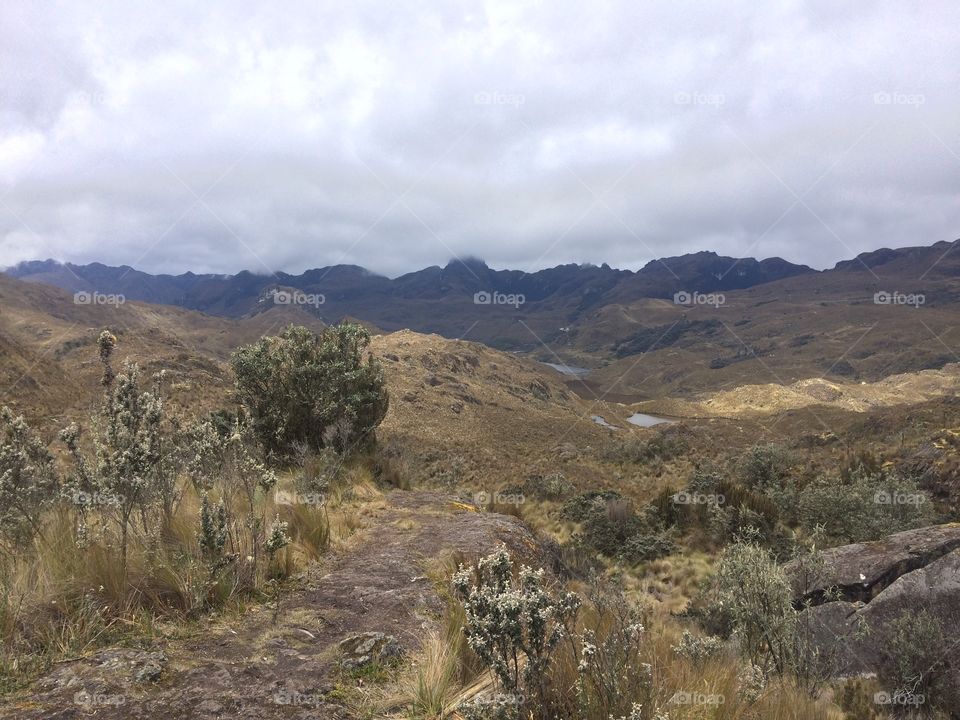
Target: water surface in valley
(644,420)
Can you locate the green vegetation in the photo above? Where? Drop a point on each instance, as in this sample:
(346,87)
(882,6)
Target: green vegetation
(161,518)
(596,655)
(311,390)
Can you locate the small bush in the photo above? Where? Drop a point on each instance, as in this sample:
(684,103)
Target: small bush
(753,599)
(317,390)
(510,619)
(665,445)
(764,467)
(698,649)
(543,487)
(869,507)
(915,661)
(28,482)
(610,527)
(585,505)
(121,476)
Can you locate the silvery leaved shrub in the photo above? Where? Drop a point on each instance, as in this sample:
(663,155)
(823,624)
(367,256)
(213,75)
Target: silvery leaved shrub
(698,650)
(513,624)
(127,447)
(28,481)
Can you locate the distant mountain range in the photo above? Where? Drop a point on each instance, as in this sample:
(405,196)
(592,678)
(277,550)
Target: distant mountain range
(468,295)
(240,294)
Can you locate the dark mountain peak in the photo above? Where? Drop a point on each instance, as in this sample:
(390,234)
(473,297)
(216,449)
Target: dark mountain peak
(32,267)
(473,264)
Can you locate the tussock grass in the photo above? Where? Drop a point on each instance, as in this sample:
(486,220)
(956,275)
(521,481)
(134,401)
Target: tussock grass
(64,596)
(445,673)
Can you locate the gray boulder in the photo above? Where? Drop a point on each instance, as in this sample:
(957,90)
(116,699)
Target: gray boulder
(368,648)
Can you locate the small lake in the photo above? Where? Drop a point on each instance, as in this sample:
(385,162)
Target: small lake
(599,420)
(644,420)
(568,369)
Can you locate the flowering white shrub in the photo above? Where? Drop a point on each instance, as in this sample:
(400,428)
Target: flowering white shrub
(277,538)
(611,680)
(28,481)
(204,455)
(126,443)
(213,530)
(698,649)
(513,625)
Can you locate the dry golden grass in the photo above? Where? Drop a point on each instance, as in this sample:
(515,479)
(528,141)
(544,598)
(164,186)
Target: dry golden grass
(60,598)
(445,673)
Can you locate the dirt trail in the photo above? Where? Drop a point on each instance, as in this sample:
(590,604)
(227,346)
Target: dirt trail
(285,667)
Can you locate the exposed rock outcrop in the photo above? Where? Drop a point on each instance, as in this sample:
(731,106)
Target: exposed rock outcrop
(863,591)
(861,571)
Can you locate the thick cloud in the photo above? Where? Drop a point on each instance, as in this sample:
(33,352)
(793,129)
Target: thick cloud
(216,137)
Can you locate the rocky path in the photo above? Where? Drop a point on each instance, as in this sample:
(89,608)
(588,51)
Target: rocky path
(286,664)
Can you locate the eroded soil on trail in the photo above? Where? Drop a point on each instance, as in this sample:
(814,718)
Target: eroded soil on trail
(284,662)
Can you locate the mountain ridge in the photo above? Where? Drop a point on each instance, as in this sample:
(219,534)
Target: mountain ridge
(508,309)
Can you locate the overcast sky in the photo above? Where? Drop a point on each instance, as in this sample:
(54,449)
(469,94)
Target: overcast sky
(394,135)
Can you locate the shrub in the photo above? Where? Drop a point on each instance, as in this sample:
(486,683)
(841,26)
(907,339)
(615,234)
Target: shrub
(915,661)
(585,505)
(28,481)
(127,444)
(647,545)
(665,445)
(303,388)
(610,527)
(764,467)
(871,506)
(543,487)
(609,679)
(513,625)
(753,597)
(698,649)
(742,509)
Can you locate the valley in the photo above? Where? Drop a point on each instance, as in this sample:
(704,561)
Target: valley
(796,401)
